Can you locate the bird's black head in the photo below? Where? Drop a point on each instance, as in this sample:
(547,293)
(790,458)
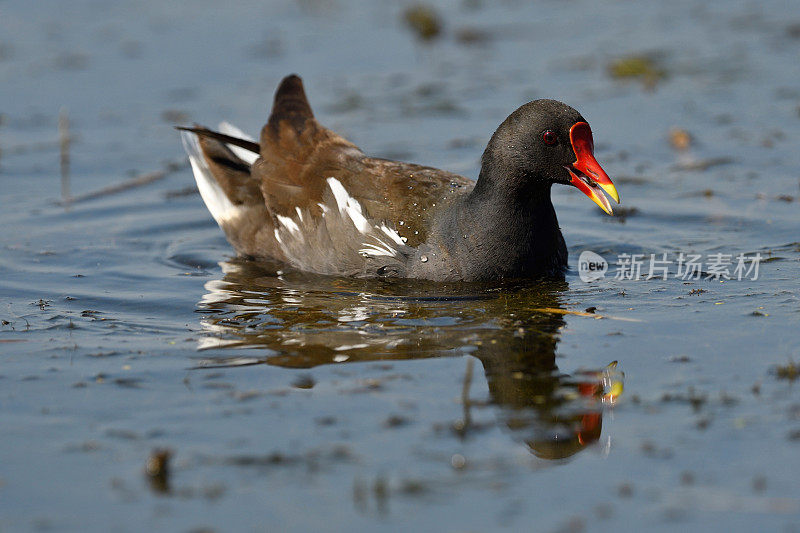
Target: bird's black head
(541,143)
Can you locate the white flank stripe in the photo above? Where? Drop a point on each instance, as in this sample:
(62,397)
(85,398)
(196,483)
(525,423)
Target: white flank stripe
(392,234)
(348,205)
(375,251)
(291,225)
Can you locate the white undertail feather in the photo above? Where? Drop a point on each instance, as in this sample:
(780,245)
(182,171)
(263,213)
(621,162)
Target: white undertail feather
(245,155)
(214,197)
(341,241)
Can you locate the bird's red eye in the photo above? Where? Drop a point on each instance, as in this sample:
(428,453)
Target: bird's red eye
(550,138)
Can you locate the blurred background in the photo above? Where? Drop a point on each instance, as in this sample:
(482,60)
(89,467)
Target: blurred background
(382,72)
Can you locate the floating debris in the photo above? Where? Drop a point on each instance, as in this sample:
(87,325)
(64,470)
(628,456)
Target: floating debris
(424,21)
(473,36)
(559,311)
(703,164)
(136,181)
(271,459)
(680,139)
(157,470)
(458,461)
(189,190)
(637,67)
(413,487)
(304,381)
(227,362)
(789,371)
(622,213)
(64,142)
(175,116)
(394,421)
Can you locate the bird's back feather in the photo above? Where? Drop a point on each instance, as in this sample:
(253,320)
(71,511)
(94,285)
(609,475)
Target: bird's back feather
(311,198)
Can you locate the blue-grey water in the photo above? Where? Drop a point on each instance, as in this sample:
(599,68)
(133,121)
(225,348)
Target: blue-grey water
(297,403)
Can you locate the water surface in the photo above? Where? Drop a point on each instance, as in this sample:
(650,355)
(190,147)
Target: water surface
(299,402)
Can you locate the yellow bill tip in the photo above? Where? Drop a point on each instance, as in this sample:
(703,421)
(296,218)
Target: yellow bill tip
(610,190)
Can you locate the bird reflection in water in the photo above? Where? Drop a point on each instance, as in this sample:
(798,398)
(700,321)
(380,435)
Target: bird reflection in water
(297,320)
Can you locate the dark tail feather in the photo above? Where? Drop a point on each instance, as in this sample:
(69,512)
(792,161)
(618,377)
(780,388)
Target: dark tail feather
(290,104)
(227,139)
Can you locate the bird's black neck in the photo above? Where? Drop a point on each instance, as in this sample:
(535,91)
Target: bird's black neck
(515,192)
(506,229)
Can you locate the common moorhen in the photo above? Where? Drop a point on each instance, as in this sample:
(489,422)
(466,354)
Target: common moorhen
(306,197)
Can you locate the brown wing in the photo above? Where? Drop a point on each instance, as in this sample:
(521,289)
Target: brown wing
(298,155)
